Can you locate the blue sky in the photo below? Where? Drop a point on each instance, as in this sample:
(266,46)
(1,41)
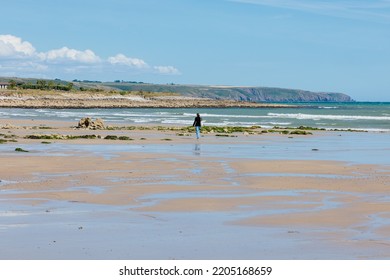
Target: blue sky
(337,46)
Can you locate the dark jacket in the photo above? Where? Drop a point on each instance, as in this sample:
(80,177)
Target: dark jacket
(197,121)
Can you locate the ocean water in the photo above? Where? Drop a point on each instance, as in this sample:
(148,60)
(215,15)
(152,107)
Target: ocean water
(371,116)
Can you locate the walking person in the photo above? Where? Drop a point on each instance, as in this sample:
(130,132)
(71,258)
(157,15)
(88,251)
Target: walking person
(197,123)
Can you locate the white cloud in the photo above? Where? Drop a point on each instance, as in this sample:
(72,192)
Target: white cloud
(13,47)
(121,59)
(167,70)
(20,58)
(66,54)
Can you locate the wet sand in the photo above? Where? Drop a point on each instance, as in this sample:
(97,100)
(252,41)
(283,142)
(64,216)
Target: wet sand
(321,196)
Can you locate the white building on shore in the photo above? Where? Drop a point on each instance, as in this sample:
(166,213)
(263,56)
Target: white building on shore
(4,85)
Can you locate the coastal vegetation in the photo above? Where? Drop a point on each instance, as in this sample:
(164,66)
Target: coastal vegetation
(186,131)
(7,138)
(180,131)
(21,150)
(114,137)
(41,85)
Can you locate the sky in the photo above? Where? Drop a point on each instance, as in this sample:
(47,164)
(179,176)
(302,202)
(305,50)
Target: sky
(327,46)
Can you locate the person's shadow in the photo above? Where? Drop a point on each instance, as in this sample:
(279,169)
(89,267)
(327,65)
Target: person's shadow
(197,150)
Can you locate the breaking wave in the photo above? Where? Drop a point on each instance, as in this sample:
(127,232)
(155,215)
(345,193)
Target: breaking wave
(328,117)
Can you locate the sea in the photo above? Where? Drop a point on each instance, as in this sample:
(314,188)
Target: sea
(367,116)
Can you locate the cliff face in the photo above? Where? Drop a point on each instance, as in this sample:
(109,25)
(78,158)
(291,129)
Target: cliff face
(289,95)
(260,94)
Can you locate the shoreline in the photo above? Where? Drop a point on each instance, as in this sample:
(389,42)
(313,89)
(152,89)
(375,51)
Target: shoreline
(82,100)
(339,117)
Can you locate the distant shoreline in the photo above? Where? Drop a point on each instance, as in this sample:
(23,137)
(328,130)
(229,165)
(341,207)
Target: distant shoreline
(92,100)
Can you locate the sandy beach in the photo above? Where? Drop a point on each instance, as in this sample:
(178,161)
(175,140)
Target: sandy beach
(162,195)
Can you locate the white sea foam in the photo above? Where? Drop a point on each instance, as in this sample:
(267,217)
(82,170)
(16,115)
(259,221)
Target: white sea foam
(226,116)
(357,129)
(71,114)
(230,123)
(21,115)
(327,117)
(276,123)
(134,115)
(176,121)
(371,119)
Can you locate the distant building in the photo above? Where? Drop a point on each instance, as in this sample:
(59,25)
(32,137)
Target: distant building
(4,85)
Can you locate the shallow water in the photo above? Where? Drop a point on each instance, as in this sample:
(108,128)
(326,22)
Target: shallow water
(352,147)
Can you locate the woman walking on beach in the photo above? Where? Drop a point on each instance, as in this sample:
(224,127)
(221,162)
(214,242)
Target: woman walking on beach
(197,123)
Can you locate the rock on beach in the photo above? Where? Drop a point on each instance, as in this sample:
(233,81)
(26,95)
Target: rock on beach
(88,123)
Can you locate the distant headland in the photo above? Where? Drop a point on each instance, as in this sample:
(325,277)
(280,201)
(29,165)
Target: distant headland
(39,93)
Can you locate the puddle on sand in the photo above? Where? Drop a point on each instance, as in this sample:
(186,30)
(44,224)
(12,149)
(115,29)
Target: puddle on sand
(321,200)
(89,189)
(276,174)
(5,182)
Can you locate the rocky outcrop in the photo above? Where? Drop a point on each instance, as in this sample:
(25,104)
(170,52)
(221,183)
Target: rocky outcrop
(88,123)
(8,126)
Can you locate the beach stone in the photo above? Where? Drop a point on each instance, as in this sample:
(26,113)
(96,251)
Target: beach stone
(98,124)
(84,123)
(88,123)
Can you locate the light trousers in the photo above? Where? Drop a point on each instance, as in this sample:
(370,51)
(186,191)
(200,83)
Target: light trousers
(197,129)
